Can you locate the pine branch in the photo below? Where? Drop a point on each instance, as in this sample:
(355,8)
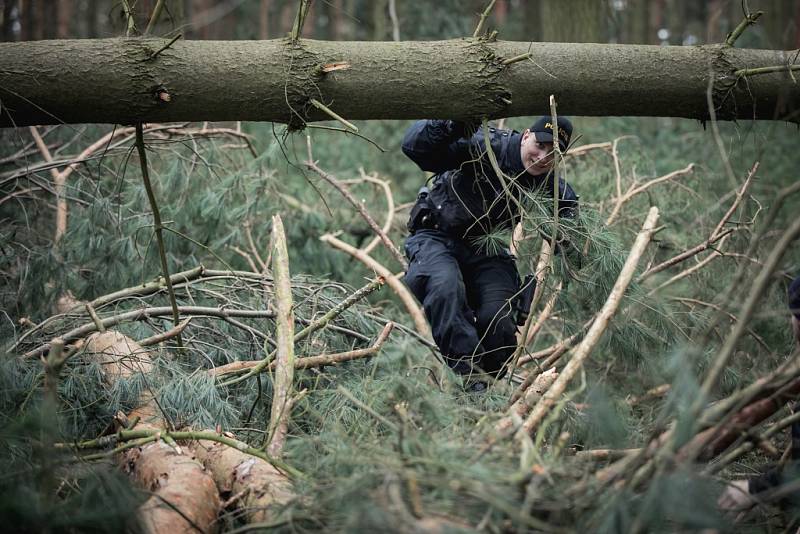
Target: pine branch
(318,324)
(309,362)
(583,351)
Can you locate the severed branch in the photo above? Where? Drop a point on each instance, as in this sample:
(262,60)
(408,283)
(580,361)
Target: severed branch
(59,179)
(635,189)
(752,443)
(413,309)
(284,354)
(583,350)
(318,324)
(310,362)
(145,313)
(312,165)
(713,441)
(716,234)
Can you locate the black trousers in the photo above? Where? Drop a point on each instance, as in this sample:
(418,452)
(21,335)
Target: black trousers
(467,298)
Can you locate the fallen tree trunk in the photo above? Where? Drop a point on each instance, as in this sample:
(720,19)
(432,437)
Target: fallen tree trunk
(184,497)
(256,485)
(130,80)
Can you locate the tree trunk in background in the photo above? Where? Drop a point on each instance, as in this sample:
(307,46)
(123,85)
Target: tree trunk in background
(287,18)
(379,20)
(116,81)
(91,19)
(64,18)
(714,20)
(501,12)
(335,15)
(639,27)
(37,19)
(263,20)
(778,20)
(8,20)
(532,26)
(578,21)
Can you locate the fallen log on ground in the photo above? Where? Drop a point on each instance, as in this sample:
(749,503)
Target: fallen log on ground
(184,497)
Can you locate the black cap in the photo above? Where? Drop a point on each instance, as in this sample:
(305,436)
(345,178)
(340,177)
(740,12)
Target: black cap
(794,297)
(543,128)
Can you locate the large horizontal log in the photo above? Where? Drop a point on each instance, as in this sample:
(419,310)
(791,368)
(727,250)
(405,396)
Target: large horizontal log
(128,80)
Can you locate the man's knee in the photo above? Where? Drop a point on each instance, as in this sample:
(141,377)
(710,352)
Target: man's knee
(496,319)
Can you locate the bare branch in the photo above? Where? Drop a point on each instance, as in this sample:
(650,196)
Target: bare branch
(583,351)
(311,164)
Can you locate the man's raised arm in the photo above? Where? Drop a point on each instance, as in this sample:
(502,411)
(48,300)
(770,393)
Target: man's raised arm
(438,145)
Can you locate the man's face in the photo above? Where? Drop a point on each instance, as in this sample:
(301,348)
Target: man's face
(537,157)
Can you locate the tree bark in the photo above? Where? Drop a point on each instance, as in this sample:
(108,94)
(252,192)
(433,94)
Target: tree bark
(184,496)
(119,81)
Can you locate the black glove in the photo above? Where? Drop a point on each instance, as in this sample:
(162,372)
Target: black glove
(464,129)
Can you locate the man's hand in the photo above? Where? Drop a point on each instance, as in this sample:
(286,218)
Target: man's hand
(464,129)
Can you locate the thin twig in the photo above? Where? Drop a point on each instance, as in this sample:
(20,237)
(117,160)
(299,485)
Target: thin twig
(312,165)
(139,433)
(318,324)
(634,190)
(756,293)
(766,70)
(716,234)
(335,116)
(390,208)
(146,313)
(170,43)
(749,18)
(309,362)
(130,23)
(157,227)
(154,19)
(483,18)
(299,20)
(373,413)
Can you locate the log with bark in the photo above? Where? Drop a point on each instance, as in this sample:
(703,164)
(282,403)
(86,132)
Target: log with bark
(184,497)
(185,483)
(124,81)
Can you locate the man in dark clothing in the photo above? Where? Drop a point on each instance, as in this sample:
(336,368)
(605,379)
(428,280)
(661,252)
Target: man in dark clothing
(466,291)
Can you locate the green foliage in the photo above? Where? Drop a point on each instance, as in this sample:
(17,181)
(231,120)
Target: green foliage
(413,444)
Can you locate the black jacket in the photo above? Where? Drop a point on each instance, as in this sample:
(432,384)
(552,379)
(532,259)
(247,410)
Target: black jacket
(467,198)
